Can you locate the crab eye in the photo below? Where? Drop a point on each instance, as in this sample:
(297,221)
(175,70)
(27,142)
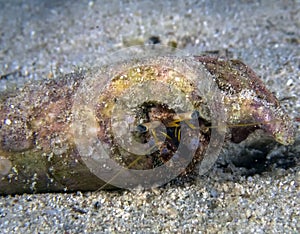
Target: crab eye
(141,128)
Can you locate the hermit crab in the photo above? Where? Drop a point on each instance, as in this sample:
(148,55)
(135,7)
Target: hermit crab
(133,121)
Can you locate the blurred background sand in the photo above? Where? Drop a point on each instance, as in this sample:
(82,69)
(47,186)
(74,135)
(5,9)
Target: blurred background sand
(42,39)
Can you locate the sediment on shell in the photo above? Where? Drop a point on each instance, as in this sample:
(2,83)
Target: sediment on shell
(37,148)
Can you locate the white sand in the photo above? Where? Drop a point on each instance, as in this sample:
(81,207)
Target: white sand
(43,38)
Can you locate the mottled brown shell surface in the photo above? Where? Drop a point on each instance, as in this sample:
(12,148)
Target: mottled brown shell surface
(247,100)
(37,148)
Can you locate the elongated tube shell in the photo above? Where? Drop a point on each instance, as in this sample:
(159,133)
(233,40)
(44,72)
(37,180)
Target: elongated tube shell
(37,148)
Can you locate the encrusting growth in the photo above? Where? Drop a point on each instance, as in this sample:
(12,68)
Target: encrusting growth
(37,147)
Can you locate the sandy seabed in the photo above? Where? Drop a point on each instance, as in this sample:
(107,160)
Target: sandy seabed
(41,39)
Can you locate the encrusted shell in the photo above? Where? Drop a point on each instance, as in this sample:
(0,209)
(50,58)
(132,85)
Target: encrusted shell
(247,100)
(39,136)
